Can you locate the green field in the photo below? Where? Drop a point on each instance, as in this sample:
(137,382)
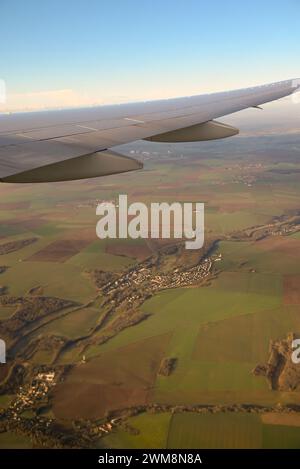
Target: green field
(214,431)
(229,431)
(152,432)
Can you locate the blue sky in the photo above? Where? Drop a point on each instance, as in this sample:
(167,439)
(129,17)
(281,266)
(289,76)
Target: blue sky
(119,50)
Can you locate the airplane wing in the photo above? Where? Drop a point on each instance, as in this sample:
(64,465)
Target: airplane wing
(78,143)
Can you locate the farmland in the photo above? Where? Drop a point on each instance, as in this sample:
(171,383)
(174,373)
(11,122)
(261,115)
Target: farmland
(110,340)
(234,431)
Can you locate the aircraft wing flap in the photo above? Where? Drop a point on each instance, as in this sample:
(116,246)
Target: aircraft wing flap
(20,158)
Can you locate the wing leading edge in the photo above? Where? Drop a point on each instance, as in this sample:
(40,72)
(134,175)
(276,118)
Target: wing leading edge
(74,144)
